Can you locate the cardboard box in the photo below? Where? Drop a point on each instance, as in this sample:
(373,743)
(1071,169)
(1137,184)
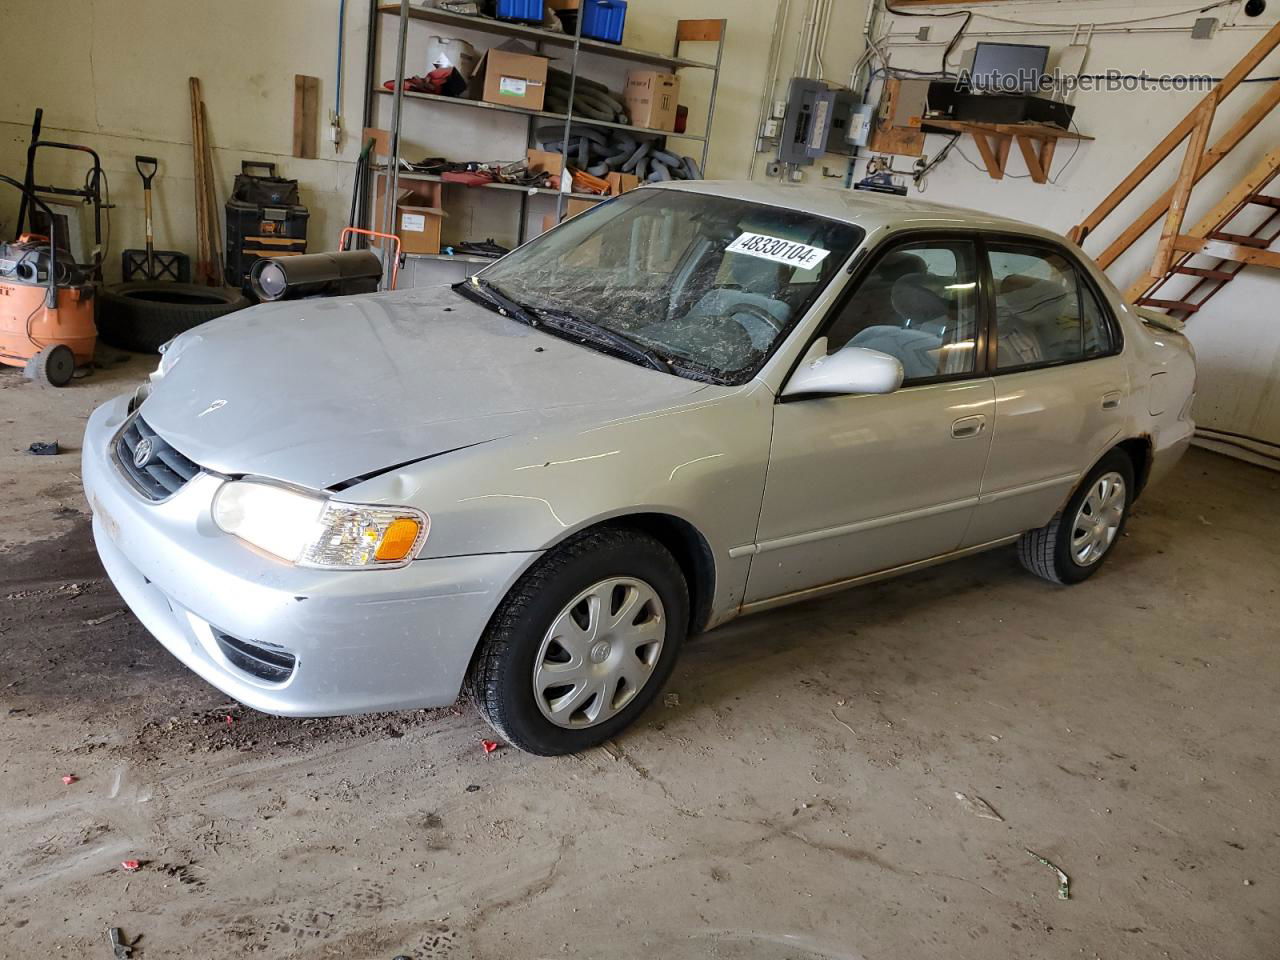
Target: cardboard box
(419,218)
(621,182)
(544,161)
(576,206)
(651,99)
(512,75)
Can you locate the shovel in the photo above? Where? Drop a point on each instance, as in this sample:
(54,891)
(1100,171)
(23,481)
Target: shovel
(153,264)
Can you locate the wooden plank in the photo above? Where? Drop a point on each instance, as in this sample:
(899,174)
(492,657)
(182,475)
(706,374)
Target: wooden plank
(1227,251)
(306,116)
(1264,201)
(699,31)
(1255,180)
(995,169)
(211,200)
(204,270)
(1139,287)
(1180,132)
(1039,131)
(1032,159)
(1182,186)
(1239,130)
(1047,149)
(1002,151)
(887,138)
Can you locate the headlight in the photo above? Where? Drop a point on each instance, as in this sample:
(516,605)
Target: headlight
(313,531)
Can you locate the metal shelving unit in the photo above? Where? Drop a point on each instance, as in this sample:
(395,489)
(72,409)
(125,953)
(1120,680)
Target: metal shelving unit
(573,45)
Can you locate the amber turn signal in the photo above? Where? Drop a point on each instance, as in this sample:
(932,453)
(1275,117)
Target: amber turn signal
(397,540)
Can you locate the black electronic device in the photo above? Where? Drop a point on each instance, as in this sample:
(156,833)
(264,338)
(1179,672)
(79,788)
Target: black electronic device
(1008,67)
(1012,108)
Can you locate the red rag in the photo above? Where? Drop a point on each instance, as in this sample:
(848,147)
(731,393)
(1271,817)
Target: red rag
(489,745)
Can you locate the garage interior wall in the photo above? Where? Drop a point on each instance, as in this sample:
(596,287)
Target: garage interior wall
(1237,338)
(115,77)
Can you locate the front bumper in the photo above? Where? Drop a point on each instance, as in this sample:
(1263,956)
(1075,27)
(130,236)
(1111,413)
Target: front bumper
(362,641)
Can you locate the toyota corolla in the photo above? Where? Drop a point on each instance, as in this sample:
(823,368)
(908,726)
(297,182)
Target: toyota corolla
(692,402)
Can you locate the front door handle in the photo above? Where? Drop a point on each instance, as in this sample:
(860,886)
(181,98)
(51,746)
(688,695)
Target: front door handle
(968,426)
(1110,401)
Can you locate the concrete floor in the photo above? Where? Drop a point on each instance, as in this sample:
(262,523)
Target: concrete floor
(798,801)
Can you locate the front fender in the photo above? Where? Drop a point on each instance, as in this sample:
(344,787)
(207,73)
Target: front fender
(702,460)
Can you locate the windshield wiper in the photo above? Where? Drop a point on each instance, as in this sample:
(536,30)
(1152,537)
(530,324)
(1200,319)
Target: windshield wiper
(479,288)
(590,330)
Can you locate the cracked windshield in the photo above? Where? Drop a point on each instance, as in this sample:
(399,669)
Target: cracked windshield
(697,285)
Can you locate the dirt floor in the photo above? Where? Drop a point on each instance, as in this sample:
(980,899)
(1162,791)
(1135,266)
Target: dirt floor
(796,795)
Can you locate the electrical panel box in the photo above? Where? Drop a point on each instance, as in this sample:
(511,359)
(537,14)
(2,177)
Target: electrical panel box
(844,112)
(807,124)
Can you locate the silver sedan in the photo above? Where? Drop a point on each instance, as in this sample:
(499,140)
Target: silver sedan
(692,402)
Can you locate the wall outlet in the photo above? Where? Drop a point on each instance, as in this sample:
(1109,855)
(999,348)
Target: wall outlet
(797,174)
(779,109)
(771,127)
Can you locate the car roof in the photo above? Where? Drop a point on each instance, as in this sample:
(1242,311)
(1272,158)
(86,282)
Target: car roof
(869,210)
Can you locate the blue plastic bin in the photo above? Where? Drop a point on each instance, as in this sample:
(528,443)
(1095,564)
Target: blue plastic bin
(603,19)
(529,11)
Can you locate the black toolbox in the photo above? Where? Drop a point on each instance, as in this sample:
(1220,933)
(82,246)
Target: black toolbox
(264,219)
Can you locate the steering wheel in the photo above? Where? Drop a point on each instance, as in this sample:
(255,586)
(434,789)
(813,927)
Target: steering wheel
(757,311)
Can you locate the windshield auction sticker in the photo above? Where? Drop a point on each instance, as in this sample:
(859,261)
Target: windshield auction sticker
(779,251)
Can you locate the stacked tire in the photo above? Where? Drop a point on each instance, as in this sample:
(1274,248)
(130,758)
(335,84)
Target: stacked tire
(143,314)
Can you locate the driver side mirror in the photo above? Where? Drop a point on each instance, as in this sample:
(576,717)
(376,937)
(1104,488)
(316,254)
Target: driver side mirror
(847,371)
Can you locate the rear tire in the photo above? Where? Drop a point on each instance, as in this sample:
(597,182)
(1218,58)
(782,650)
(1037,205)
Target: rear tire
(1075,543)
(143,314)
(53,366)
(521,648)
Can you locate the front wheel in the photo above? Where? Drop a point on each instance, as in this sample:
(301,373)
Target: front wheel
(1072,546)
(583,643)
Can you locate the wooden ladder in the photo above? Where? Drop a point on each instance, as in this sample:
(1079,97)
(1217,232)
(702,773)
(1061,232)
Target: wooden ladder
(1228,251)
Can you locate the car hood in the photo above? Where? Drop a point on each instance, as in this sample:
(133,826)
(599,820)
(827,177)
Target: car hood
(320,392)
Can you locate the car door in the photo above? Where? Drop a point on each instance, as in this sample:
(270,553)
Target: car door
(858,484)
(1061,385)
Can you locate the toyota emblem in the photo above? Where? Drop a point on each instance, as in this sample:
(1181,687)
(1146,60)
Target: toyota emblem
(142,453)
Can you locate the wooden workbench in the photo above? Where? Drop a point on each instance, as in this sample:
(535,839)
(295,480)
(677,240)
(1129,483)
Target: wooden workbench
(1037,142)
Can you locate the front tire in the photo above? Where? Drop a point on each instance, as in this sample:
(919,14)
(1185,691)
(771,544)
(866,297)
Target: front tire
(583,642)
(1073,545)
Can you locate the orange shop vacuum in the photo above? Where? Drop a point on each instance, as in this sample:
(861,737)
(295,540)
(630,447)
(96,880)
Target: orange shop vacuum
(46,304)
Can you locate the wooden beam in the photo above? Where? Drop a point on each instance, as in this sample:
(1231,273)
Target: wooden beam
(1140,286)
(1032,159)
(1179,133)
(993,160)
(1182,186)
(1227,251)
(1239,130)
(1257,178)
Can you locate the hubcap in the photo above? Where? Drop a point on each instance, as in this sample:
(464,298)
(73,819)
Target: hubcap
(1098,520)
(599,653)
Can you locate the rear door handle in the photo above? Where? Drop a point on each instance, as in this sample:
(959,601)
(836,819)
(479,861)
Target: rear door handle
(968,426)
(1110,401)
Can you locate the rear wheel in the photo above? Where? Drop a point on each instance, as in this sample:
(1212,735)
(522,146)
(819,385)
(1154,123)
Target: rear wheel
(583,643)
(1072,546)
(54,366)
